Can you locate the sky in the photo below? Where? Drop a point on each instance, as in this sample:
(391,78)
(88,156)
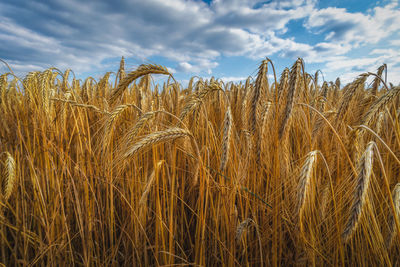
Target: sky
(226,39)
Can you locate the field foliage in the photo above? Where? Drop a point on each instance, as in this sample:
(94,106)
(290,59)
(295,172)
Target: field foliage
(120,170)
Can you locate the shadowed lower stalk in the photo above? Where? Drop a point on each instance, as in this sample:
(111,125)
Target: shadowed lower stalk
(392,217)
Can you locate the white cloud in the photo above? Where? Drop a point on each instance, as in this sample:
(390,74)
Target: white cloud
(190,32)
(234,79)
(350,68)
(338,25)
(198,66)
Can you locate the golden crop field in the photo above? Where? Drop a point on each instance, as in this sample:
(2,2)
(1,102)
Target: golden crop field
(270,172)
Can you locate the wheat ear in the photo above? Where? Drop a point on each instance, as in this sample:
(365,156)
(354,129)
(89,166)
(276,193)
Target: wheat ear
(122,69)
(294,81)
(349,93)
(142,70)
(9,176)
(379,105)
(197,98)
(155,138)
(377,81)
(226,139)
(242,227)
(133,132)
(283,81)
(305,177)
(360,194)
(149,183)
(261,82)
(113,116)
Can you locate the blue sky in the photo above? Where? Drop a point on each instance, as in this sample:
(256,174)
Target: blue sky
(222,38)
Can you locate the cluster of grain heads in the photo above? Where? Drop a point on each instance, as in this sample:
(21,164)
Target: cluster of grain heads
(349,92)
(138,172)
(360,193)
(379,105)
(197,98)
(374,115)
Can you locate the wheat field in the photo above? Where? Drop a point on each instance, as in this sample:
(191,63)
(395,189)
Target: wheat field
(123,171)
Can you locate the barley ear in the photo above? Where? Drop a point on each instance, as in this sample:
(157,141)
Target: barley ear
(379,105)
(242,227)
(294,81)
(360,194)
(348,95)
(261,82)
(226,139)
(112,117)
(121,70)
(149,183)
(155,138)
(377,81)
(305,177)
(141,71)
(9,176)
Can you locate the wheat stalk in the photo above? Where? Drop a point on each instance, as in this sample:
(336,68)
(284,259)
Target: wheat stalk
(361,190)
(74,103)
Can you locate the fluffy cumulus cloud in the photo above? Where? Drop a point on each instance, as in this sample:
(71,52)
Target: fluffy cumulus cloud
(191,34)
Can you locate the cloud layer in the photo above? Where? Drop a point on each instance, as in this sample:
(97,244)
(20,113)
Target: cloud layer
(192,34)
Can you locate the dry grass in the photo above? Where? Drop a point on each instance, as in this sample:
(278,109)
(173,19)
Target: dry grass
(124,172)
